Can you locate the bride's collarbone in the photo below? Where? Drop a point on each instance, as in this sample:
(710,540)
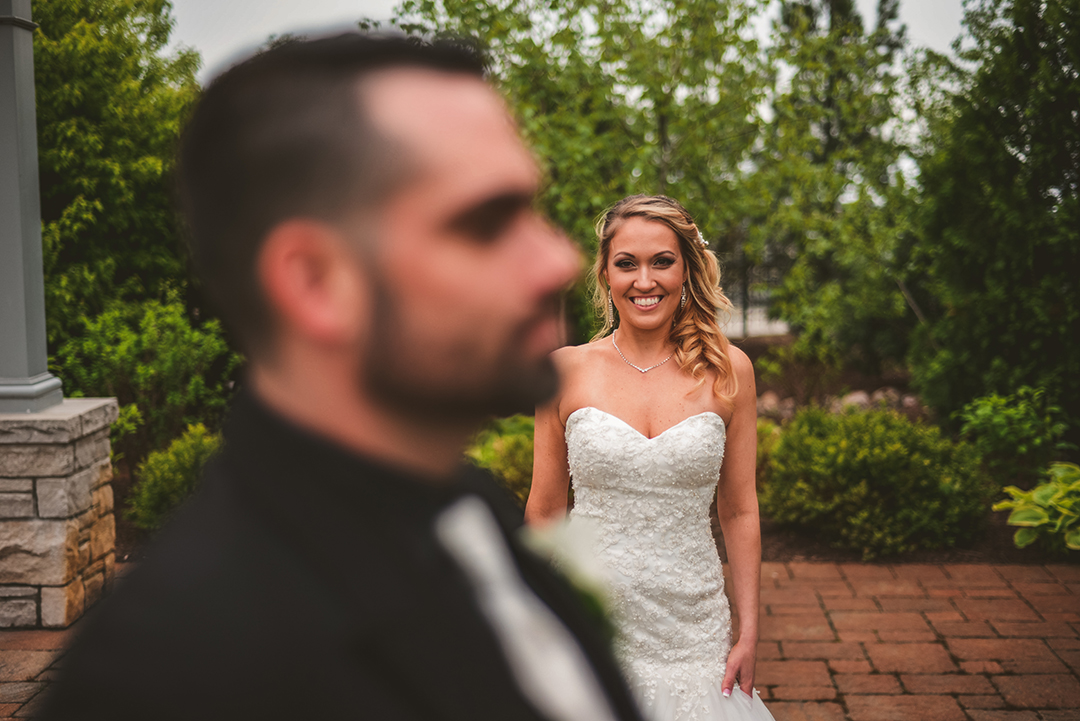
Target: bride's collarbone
(649,402)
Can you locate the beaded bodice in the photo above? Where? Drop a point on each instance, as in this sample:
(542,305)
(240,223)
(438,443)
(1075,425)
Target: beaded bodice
(648,501)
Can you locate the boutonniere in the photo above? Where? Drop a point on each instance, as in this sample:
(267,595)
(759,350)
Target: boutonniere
(570,550)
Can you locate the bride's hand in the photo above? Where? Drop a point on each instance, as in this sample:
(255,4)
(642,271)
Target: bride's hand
(740,667)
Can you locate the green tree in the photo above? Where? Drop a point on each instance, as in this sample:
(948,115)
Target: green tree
(829,202)
(109,107)
(621,97)
(999,243)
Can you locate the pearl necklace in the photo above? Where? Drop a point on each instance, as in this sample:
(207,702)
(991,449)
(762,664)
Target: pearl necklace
(635,367)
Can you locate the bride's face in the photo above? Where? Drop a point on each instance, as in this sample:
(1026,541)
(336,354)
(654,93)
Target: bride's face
(645,270)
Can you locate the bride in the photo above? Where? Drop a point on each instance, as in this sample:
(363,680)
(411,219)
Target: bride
(651,420)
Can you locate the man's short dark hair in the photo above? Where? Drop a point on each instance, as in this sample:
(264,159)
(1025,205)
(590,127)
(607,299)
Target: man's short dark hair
(283,134)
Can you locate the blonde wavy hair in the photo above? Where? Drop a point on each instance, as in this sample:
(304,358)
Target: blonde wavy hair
(700,345)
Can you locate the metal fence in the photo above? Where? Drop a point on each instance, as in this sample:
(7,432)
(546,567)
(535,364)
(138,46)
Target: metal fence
(749,286)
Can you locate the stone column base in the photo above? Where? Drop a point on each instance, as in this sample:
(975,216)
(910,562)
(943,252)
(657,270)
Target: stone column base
(57,529)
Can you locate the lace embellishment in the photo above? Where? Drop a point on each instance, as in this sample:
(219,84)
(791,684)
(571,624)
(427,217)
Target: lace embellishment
(648,499)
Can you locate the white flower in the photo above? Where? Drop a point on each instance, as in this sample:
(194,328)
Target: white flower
(571,549)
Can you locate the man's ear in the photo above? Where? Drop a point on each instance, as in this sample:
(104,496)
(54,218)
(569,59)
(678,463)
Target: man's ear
(313,281)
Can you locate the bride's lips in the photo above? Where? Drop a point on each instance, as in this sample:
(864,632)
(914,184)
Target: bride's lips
(647,306)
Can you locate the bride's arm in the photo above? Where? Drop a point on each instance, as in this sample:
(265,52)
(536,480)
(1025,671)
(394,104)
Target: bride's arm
(551,471)
(551,474)
(737,507)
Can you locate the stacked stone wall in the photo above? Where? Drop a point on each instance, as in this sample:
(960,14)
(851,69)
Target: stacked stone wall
(57,529)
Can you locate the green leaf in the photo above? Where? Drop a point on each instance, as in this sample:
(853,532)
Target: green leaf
(1072,540)
(1044,494)
(1028,517)
(1065,473)
(1025,537)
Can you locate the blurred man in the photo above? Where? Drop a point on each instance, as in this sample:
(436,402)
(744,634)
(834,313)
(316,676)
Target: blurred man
(361,211)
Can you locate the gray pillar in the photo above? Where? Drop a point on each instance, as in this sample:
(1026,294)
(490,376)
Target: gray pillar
(26,386)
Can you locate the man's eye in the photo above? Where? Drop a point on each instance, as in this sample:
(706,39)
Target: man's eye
(488,221)
(488,227)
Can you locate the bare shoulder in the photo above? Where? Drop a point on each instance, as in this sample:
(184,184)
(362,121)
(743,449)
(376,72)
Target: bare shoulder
(573,357)
(569,362)
(577,367)
(740,362)
(743,370)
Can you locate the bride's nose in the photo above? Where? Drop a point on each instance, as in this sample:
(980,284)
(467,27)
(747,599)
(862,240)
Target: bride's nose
(644,280)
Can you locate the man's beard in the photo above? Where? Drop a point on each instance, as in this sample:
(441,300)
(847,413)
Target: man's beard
(507,385)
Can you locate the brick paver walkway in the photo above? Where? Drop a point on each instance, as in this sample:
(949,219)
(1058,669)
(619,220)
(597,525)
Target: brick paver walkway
(28,661)
(920,642)
(845,641)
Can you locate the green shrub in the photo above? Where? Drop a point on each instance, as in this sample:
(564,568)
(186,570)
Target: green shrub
(165,372)
(768,435)
(875,482)
(505,447)
(1048,514)
(1016,435)
(166,478)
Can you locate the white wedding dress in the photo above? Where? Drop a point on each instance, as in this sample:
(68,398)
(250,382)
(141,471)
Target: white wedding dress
(647,500)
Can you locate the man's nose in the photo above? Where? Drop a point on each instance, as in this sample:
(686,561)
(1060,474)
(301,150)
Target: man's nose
(562,261)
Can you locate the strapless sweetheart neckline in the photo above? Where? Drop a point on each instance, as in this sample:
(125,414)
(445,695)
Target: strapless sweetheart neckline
(635,430)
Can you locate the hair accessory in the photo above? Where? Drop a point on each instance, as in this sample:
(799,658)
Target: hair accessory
(682,301)
(701,240)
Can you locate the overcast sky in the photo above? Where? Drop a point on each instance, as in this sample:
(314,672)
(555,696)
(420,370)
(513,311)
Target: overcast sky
(222,29)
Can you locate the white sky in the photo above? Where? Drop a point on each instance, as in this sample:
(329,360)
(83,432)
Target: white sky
(223,29)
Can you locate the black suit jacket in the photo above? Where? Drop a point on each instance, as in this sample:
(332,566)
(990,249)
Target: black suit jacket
(305,582)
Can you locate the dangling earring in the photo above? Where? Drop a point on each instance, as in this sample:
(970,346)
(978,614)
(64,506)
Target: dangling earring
(611,309)
(682,301)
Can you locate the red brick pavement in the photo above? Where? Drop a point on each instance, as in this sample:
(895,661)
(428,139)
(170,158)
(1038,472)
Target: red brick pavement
(845,642)
(920,643)
(28,661)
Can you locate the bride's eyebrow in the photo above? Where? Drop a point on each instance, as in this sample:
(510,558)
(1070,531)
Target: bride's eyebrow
(627,254)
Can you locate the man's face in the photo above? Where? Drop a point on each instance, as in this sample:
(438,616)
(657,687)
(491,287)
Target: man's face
(467,273)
